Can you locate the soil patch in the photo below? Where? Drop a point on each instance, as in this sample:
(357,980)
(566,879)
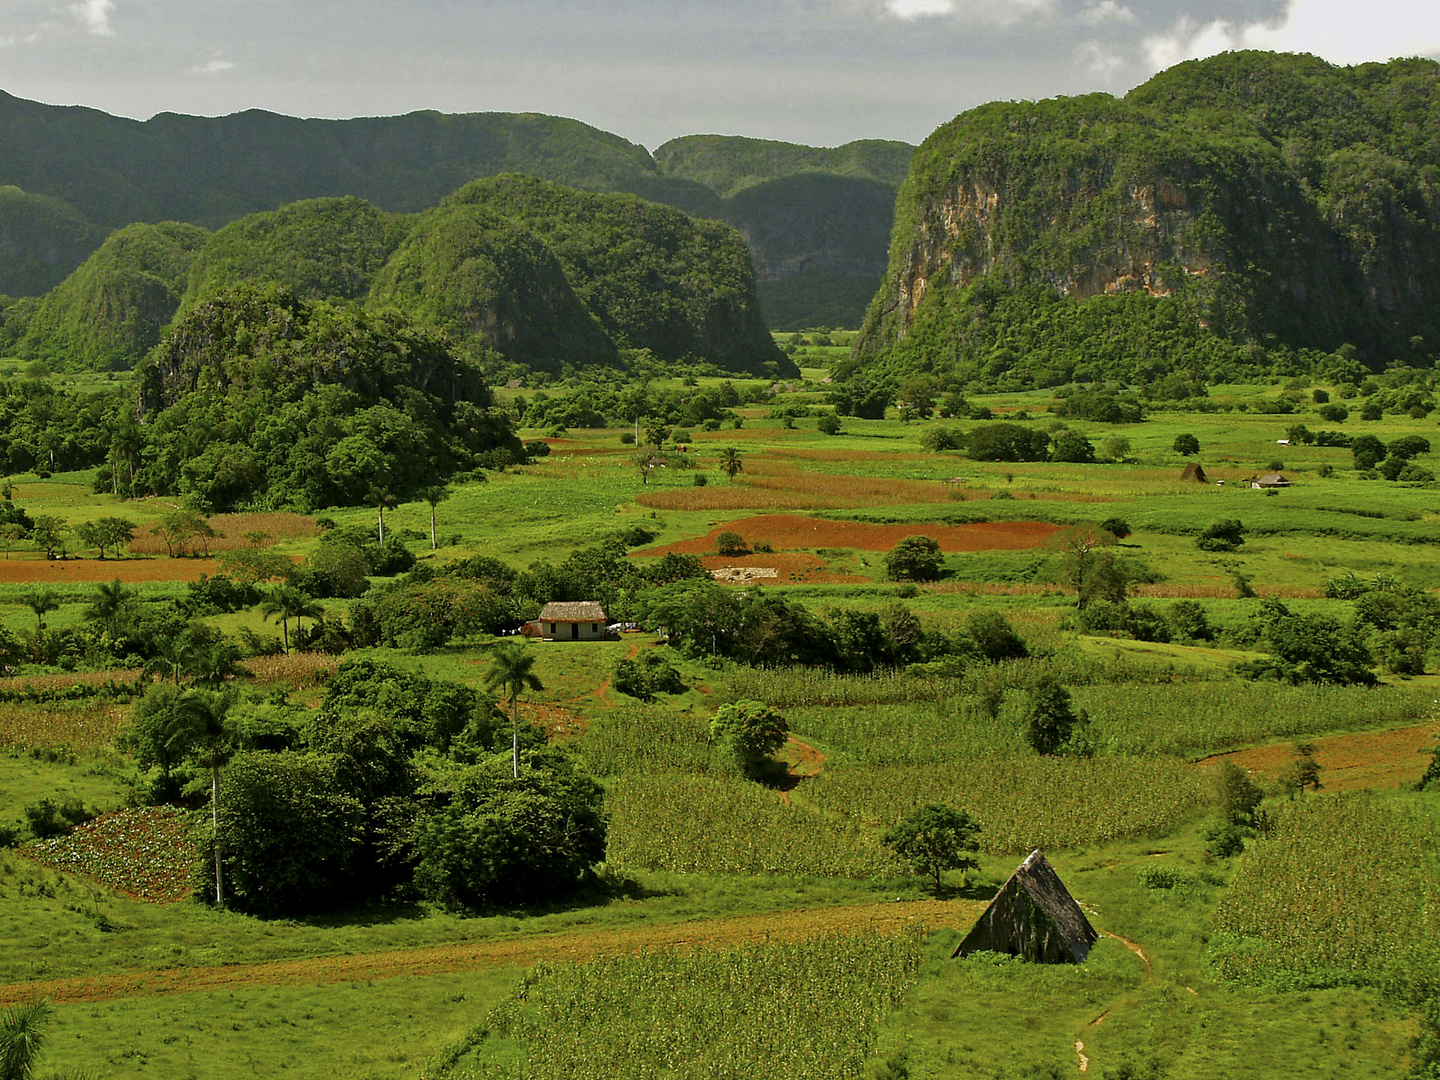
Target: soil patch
(783,568)
(1365,759)
(791,531)
(574,947)
(91,571)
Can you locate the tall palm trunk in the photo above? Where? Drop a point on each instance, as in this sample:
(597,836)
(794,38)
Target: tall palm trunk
(215,827)
(515,724)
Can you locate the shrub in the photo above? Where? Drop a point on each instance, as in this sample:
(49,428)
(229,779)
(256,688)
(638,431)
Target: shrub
(752,731)
(731,543)
(915,558)
(1116,527)
(1336,414)
(940,438)
(1073,447)
(1224,535)
(934,839)
(1186,444)
(1187,620)
(55,817)
(648,674)
(1050,718)
(829,424)
(700,480)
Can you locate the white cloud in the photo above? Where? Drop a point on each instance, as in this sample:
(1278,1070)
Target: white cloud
(216,66)
(1107,11)
(94,15)
(988,13)
(1097,59)
(6,42)
(1331,29)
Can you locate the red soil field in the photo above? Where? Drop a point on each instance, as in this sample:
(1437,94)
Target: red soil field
(791,531)
(1366,759)
(89,571)
(793,568)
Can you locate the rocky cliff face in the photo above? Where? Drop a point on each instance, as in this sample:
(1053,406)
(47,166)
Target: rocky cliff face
(1257,238)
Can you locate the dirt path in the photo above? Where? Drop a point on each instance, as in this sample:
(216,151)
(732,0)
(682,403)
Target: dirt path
(729,932)
(1149,977)
(1362,759)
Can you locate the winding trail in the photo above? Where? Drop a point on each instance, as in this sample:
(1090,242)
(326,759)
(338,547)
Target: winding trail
(1149,977)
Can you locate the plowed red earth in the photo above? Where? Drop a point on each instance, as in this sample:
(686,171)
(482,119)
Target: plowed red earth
(1367,759)
(790,531)
(87,571)
(726,933)
(791,568)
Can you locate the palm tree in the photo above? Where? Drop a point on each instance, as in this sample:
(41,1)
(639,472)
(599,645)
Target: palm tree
(435,494)
(287,602)
(382,498)
(172,654)
(41,601)
(206,714)
(110,601)
(21,1037)
(730,462)
(510,672)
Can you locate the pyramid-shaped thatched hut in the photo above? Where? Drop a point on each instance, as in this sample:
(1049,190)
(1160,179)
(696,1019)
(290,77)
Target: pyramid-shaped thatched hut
(1035,917)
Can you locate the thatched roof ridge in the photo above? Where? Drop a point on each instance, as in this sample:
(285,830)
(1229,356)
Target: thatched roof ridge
(573,611)
(1033,916)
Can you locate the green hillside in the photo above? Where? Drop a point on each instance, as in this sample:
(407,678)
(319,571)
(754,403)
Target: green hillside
(1254,209)
(654,278)
(109,312)
(42,238)
(488,283)
(728,164)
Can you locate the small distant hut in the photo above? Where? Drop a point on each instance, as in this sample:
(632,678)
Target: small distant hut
(583,621)
(1034,917)
(1194,472)
(1271,480)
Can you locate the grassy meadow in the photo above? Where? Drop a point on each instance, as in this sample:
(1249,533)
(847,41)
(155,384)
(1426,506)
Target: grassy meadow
(739,928)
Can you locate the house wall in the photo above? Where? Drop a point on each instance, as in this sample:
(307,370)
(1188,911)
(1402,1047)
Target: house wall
(562,631)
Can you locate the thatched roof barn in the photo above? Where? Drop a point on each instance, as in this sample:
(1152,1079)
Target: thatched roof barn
(1193,471)
(1035,917)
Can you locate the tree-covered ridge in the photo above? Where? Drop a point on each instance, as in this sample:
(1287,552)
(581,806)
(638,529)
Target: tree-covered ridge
(483,279)
(728,164)
(261,398)
(319,249)
(653,278)
(42,238)
(212,170)
(111,311)
(1289,238)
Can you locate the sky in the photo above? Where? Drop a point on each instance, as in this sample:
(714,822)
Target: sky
(820,72)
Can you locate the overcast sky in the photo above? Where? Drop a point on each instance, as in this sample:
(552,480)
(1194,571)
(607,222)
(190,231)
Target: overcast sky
(821,72)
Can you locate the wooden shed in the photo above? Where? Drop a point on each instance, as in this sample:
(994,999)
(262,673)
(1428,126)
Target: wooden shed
(1033,916)
(579,621)
(1194,472)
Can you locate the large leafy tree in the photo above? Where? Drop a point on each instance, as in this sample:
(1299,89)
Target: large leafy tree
(512,672)
(934,839)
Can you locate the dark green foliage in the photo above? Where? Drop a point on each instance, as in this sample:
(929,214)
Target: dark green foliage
(289,839)
(1050,718)
(111,311)
(1119,617)
(38,419)
(933,839)
(1005,441)
(1302,189)
(1186,444)
(1336,414)
(914,558)
(1237,796)
(648,674)
(731,543)
(423,711)
(485,280)
(994,637)
(1072,446)
(42,238)
(1367,450)
(1116,527)
(1188,621)
(493,839)
(652,277)
(1225,535)
(1100,407)
(427,614)
(55,817)
(260,398)
(1309,648)
(319,249)
(751,731)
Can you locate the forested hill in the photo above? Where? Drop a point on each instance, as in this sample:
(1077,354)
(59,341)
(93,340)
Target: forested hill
(69,176)
(509,267)
(1248,210)
(818,219)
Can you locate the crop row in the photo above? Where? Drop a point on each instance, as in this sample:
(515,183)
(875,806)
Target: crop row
(1345,889)
(811,1009)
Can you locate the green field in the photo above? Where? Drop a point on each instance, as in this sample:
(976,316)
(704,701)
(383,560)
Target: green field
(762,927)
